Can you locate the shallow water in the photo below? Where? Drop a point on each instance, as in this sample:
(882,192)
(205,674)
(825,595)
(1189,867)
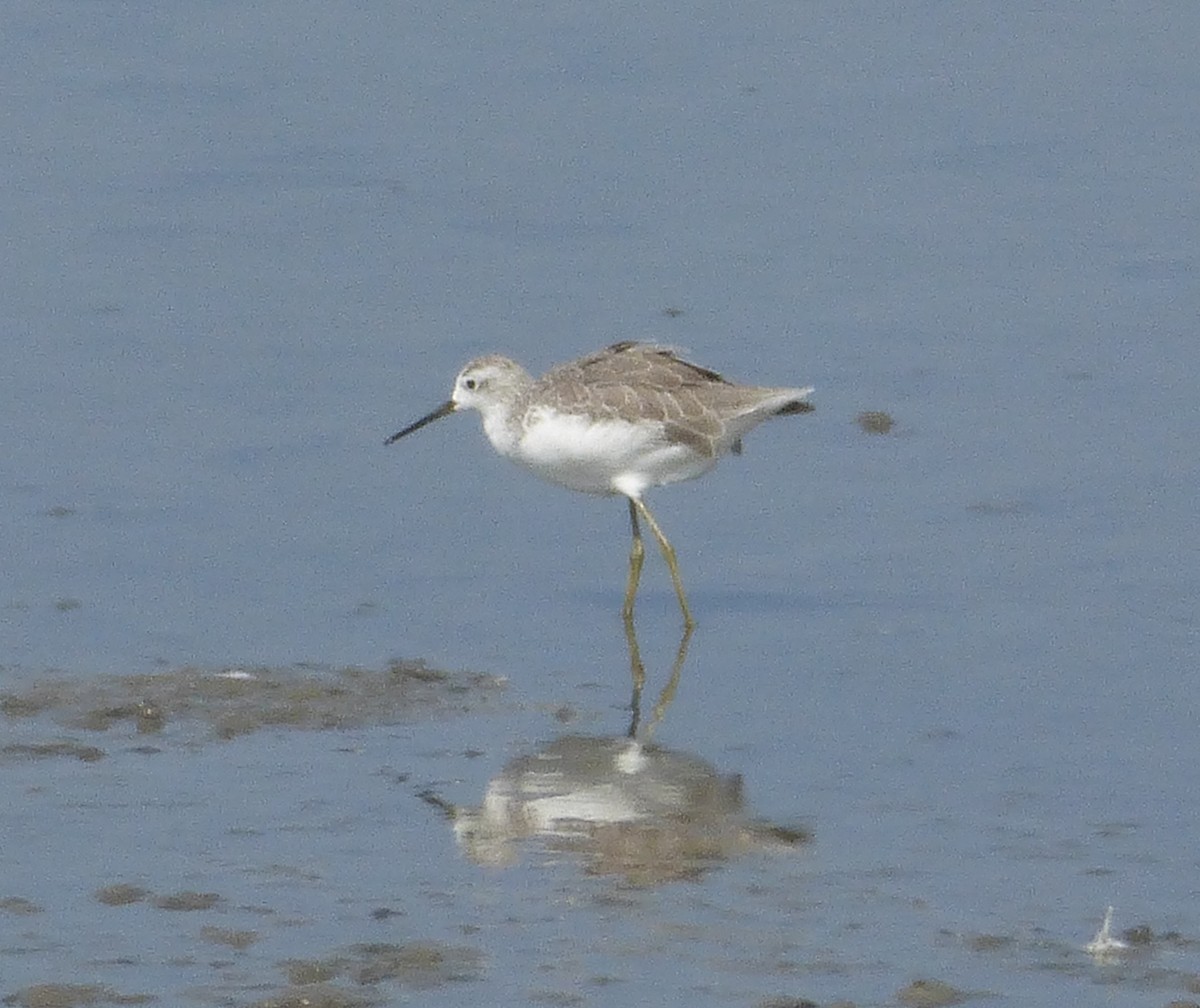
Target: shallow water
(298,690)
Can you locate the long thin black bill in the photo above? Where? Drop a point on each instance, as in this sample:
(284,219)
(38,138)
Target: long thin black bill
(444,410)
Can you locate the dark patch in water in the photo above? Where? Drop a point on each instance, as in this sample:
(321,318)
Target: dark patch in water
(237,702)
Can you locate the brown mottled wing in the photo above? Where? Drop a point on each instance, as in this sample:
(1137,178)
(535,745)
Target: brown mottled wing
(630,363)
(639,381)
(645,382)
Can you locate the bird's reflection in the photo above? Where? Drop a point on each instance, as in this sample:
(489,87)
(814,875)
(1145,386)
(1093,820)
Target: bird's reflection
(622,804)
(637,672)
(624,807)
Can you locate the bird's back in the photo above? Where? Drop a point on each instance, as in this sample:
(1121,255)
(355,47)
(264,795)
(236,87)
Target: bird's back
(646,383)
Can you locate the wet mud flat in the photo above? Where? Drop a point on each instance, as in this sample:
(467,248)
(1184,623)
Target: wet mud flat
(63,938)
(225,703)
(287,837)
(93,924)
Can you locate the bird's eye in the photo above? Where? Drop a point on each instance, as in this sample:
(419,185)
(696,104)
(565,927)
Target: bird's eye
(470,383)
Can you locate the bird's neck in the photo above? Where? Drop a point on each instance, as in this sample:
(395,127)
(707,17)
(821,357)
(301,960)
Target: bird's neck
(500,429)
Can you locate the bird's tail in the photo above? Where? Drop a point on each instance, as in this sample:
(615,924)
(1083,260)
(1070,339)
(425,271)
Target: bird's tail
(799,404)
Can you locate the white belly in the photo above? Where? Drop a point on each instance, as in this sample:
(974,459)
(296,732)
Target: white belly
(605,457)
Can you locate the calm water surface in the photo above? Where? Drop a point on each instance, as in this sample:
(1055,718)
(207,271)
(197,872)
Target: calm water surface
(939,712)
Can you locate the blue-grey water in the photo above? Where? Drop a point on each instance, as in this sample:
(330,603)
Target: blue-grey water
(243,244)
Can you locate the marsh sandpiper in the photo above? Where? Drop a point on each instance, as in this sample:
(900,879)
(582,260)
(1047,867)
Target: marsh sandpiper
(631,417)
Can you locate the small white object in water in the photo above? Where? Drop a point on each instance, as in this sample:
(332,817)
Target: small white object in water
(235,673)
(1104,945)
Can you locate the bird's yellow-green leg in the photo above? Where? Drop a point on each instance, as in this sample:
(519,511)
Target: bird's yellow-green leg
(637,672)
(668,693)
(637,555)
(668,553)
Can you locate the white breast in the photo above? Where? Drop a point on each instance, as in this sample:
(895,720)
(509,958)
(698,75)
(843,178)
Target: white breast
(602,457)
